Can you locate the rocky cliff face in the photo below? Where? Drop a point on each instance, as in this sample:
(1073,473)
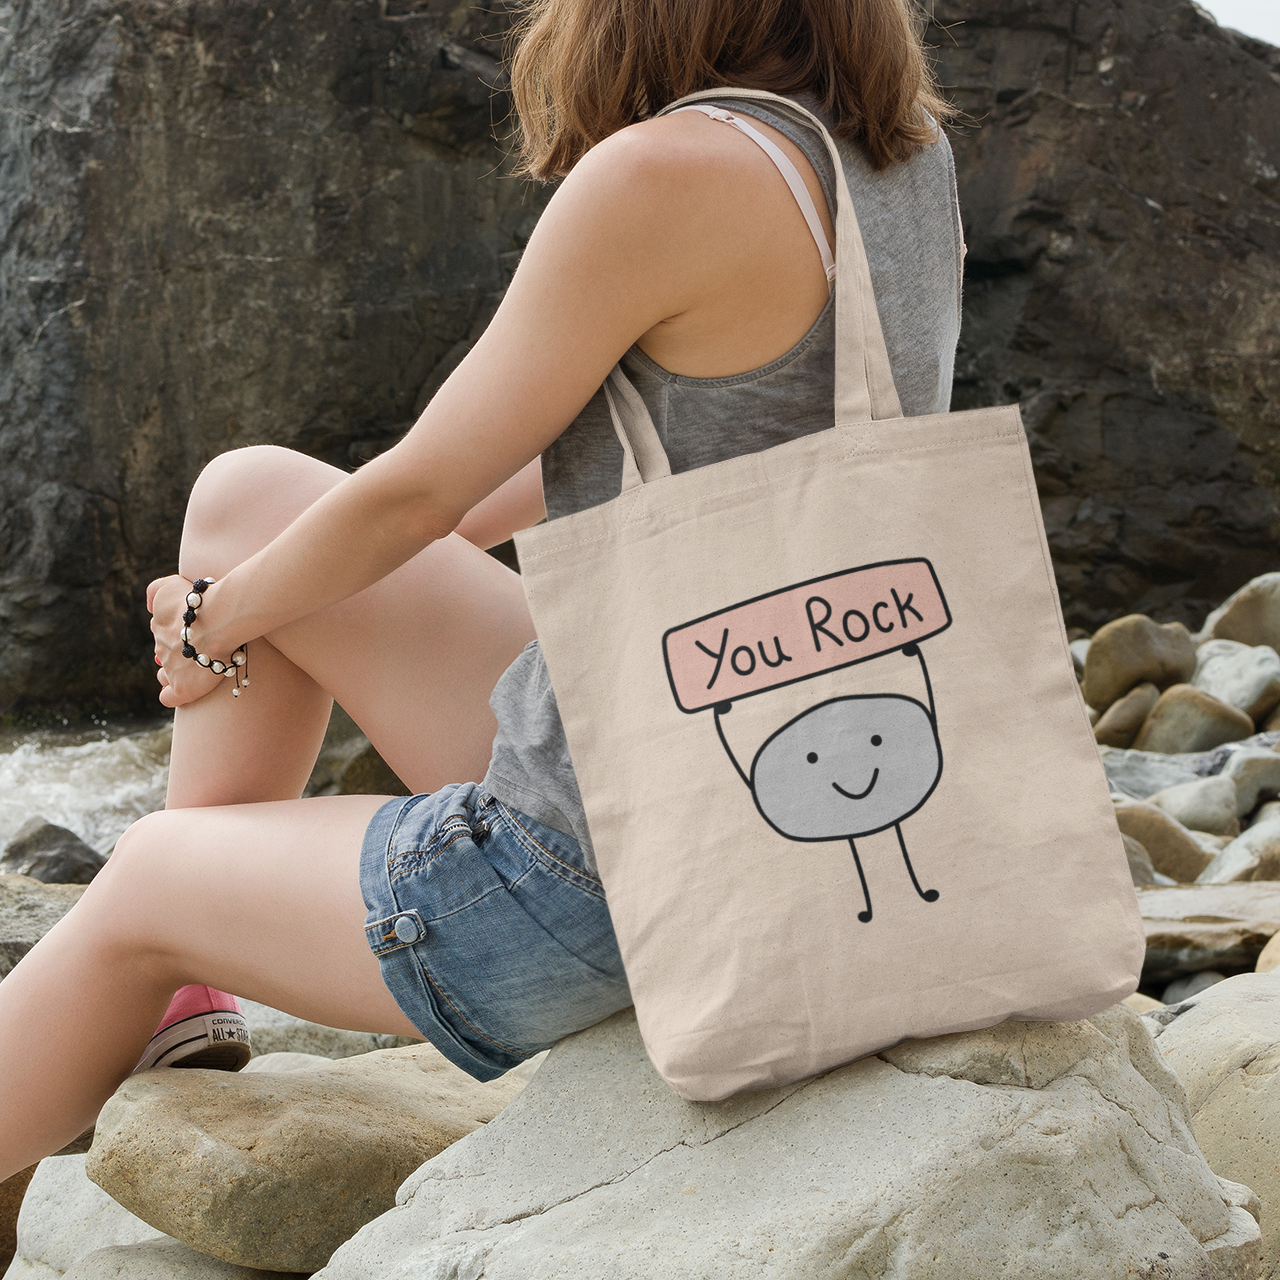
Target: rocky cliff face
(1120,183)
(276,221)
(284,221)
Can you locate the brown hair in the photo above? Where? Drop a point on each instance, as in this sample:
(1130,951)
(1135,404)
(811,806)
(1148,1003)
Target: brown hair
(583,69)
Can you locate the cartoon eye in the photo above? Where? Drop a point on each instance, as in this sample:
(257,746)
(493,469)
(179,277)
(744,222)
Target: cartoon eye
(812,757)
(876,739)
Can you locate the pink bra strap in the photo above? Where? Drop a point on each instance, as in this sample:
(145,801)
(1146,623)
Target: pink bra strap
(791,176)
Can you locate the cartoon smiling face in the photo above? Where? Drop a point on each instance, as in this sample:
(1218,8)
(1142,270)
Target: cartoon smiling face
(847,767)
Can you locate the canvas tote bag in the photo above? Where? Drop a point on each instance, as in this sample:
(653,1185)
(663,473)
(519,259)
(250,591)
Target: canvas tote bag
(833,755)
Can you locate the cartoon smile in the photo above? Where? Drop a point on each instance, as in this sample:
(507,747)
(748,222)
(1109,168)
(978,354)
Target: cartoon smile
(858,795)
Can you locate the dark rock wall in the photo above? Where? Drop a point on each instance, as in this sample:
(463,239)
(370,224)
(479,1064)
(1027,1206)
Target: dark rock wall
(1120,185)
(220,224)
(285,220)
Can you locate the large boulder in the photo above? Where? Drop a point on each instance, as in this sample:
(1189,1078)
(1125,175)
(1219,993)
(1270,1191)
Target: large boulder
(1119,204)
(28,910)
(1029,1149)
(1224,1045)
(50,853)
(275,1170)
(1134,650)
(272,222)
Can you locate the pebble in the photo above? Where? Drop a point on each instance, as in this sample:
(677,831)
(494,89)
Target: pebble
(1140,869)
(1132,650)
(1270,956)
(51,854)
(1208,804)
(1171,847)
(1187,719)
(1122,720)
(1253,855)
(964,1156)
(1194,983)
(1250,616)
(1194,927)
(1256,774)
(1247,677)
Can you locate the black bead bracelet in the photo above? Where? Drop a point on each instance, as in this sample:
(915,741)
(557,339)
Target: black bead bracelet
(236,667)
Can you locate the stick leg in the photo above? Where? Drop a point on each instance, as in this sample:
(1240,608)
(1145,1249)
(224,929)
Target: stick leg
(929,895)
(864,916)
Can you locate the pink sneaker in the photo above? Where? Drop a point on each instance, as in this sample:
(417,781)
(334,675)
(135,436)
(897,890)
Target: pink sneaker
(201,1028)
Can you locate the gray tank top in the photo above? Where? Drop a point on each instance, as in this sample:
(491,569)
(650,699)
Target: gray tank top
(910,226)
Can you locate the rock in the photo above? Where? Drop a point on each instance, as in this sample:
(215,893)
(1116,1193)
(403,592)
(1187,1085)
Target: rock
(1140,1003)
(349,764)
(1142,773)
(51,854)
(1254,855)
(1119,724)
(1194,983)
(1132,650)
(1248,678)
(11,1192)
(162,1259)
(66,1218)
(1171,847)
(1250,616)
(1195,927)
(1091,715)
(1256,774)
(1068,1142)
(1206,805)
(233,1165)
(28,910)
(271,1031)
(368,774)
(1272,722)
(1188,719)
(1212,845)
(1269,957)
(1224,1045)
(232,157)
(275,1062)
(1140,868)
(1079,651)
(1060,312)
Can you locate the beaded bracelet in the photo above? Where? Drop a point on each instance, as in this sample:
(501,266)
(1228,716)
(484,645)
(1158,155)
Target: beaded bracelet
(239,659)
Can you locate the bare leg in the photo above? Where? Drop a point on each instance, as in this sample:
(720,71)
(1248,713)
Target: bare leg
(262,899)
(929,895)
(864,916)
(413,658)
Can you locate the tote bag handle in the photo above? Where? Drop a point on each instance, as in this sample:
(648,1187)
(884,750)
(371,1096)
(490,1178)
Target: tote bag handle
(864,388)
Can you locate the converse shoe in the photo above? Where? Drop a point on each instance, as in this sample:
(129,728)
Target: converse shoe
(201,1028)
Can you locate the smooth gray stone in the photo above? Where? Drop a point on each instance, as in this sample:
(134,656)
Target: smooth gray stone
(50,853)
(1221,926)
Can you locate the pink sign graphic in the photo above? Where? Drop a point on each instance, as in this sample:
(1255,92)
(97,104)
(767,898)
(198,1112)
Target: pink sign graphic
(803,630)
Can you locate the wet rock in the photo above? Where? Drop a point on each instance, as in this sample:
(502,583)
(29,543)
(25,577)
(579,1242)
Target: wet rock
(65,1218)
(1140,868)
(1250,616)
(52,854)
(1206,805)
(28,910)
(271,1031)
(1171,847)
(1256,774)
(1254,855)
(1187,719)
(1133,650)
(275,1170)
(1246,677)
(971,1148)
(1120,723)
(1194,983)
(1224,1046)
(1195,927)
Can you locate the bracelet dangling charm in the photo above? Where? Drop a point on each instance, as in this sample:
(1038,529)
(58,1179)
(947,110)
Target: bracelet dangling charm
(236,667)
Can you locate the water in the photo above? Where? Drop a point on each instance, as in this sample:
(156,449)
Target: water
(94,782)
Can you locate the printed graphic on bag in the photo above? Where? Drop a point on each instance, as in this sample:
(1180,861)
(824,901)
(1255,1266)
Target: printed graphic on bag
(847,767)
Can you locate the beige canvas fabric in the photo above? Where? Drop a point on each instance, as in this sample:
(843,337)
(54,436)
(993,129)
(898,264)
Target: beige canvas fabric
(835,762)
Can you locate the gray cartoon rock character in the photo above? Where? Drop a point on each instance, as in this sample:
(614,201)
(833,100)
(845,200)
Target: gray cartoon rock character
(849,766)
(846,768)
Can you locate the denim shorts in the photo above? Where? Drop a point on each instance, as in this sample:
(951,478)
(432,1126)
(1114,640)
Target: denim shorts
(493,938)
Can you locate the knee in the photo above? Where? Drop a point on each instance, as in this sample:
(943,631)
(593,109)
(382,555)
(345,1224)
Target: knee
(137,847)
(235,479)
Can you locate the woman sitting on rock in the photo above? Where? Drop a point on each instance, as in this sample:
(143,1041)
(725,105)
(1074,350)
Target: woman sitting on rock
(471,913)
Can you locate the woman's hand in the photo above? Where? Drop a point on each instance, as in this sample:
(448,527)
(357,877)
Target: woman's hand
(181,680)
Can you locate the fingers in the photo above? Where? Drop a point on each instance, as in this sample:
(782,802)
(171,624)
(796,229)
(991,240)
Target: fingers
(152,587)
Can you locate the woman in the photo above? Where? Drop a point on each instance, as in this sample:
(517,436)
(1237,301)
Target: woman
(672,244)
